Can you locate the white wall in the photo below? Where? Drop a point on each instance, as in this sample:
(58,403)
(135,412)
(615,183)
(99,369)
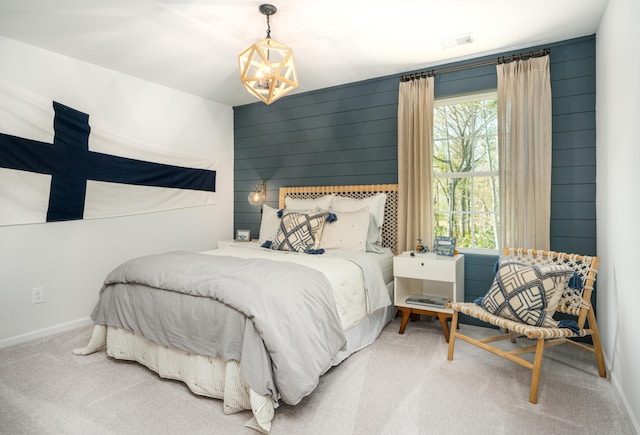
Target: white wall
(70,259)
(618,181)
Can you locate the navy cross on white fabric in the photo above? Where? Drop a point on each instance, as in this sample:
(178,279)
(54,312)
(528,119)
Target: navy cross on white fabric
(70,163)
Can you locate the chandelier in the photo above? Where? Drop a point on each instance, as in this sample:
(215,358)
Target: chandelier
(266,68)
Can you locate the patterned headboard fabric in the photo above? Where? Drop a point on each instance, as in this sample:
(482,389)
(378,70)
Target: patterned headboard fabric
(390,225)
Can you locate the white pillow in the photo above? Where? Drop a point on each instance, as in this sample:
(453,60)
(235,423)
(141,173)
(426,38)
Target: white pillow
(269,224)
(376,209)
(323,203)
(374,236)
(348,231)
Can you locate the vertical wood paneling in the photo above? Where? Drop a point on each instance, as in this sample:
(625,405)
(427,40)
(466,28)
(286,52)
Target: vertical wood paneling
(348,135)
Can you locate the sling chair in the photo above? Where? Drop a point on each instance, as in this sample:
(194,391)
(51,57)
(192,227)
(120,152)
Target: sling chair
(575,300)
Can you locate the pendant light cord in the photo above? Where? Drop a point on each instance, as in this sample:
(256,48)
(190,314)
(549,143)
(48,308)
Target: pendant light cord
(268,28)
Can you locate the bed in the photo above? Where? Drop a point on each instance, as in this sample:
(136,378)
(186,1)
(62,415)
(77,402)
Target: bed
(291,315)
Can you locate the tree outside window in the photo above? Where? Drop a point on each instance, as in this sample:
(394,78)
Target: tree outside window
(465,170)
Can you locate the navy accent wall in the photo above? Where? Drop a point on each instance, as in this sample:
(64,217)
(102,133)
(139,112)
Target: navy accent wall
(348,135)
(340,135)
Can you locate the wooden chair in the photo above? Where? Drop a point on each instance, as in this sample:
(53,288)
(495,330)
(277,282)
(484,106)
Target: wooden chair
(575,302)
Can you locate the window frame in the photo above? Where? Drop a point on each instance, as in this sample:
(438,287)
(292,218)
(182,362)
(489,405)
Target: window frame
(459,99)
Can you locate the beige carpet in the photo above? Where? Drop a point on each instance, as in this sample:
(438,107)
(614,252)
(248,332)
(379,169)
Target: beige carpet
(402,384)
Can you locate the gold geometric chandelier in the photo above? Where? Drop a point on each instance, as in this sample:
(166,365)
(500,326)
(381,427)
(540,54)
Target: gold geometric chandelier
(266,68)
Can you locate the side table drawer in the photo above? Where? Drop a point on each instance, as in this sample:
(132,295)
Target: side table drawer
(419,268)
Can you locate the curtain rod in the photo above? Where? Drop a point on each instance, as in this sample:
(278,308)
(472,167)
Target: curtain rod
(497,61)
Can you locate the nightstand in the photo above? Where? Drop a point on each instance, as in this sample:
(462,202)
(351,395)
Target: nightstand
(427,274)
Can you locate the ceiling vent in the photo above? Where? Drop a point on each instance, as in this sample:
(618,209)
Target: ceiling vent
(456,41)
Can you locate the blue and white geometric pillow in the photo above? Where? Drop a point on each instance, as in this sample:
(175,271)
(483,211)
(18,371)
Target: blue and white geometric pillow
(527,293)
(299,231)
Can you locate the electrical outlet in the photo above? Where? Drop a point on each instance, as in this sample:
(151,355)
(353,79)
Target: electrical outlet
(37,295)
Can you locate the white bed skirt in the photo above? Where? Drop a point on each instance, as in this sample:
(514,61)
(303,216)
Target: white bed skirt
(204,375)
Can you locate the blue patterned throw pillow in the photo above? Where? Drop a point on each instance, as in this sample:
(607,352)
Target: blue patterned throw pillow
(527,293)
(299,232)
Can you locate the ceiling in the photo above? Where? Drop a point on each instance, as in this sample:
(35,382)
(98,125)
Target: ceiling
(192,45)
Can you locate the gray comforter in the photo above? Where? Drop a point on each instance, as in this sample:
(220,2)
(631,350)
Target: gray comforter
(278,319)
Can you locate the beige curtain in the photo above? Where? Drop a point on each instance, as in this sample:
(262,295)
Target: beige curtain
(415,149)
(524,143)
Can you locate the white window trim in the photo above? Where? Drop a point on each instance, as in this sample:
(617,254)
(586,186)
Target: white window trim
(466,174)
(448,101)
(480,251)
(465,98)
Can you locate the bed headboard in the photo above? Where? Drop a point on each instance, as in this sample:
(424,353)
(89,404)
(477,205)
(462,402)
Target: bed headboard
(390,225)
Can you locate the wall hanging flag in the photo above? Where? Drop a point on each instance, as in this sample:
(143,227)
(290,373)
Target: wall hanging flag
(56,165)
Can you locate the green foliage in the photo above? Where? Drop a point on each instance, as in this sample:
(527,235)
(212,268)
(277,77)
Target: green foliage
(465,165)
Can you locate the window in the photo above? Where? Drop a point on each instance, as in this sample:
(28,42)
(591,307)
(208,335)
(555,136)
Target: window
(465,170)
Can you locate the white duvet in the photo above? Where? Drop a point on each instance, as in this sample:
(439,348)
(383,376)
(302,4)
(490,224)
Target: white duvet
(354,299)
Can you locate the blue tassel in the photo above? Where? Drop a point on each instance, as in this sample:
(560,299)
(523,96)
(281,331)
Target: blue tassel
(280,213)
(478,301)
(314,251)
(267,244)
(575,282)
(332,217)
(569,324)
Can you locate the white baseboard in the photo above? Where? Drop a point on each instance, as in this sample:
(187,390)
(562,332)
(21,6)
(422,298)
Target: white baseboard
(79,323)
(615,383)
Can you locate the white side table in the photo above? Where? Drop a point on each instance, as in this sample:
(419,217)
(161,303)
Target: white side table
(427,274)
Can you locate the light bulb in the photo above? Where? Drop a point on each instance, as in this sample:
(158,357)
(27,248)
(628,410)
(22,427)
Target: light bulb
(256,198)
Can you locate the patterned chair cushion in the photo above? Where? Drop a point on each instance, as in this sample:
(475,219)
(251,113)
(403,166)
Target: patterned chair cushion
(299,232)
(525,293)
